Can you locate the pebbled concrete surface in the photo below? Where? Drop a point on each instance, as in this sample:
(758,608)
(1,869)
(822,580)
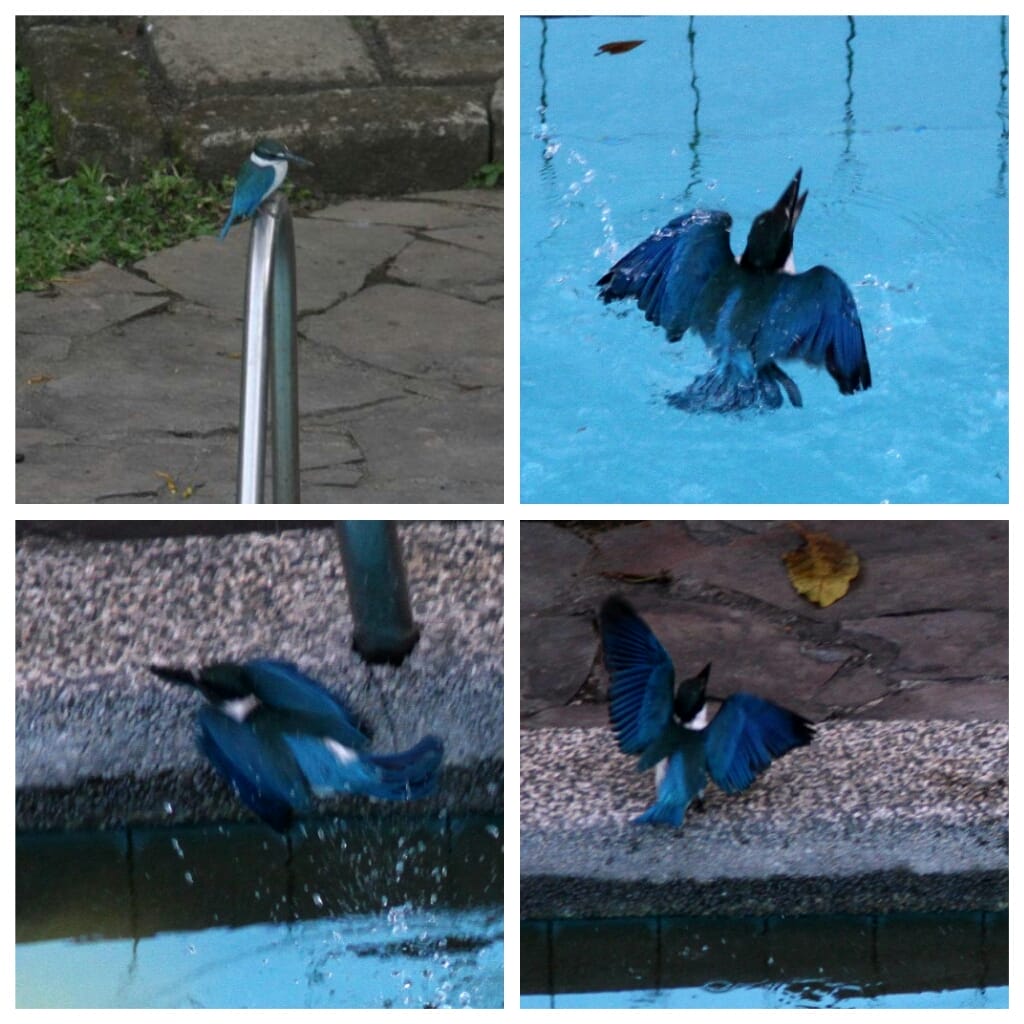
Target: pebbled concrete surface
(128,381)
(900,803)
(100,742)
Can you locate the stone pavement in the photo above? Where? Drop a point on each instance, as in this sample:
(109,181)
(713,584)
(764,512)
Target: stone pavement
(901,801)
(128,380)
(101,742)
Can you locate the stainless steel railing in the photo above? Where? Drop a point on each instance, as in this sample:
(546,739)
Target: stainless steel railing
(270,358)
(378,591)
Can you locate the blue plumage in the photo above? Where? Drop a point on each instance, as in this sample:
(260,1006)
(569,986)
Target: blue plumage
(750,313)
(262,173)
(668,730)
(280,738)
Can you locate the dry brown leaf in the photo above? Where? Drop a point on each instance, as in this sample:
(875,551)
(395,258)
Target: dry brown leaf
(822,569)
(40,378)
(623,46)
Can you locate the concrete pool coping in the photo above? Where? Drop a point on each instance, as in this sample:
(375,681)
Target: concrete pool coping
(100,742)
(872,817)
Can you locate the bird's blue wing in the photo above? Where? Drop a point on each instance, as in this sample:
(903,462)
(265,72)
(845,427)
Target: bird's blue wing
(640,699)
(282,687)
(667,272)
(746,735)
(813,316)
(260,768)
(683,779)
(328,768)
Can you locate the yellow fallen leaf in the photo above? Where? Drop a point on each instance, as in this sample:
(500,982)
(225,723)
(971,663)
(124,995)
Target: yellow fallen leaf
(40,378)
(822,569)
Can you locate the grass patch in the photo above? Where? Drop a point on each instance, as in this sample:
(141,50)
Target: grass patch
(65,224)
(488,176)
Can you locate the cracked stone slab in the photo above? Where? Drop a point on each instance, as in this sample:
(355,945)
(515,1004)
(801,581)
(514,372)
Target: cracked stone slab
(556,657)
(171,373)
(492,198)
(963,562)
(109,362)
(88,301)
(464,274)
(924,633)
(475,238)
(292,52)
(962,642)
(550,560)
(871,816)
(124,469)
(416,334)
(418,446)
(402,213)
(332,261)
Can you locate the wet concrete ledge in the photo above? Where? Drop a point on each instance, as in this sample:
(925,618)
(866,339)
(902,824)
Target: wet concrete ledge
(873,817)
(101,743)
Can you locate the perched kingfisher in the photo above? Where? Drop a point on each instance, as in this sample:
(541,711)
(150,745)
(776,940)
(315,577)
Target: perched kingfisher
(280,738)
(670,732)
(262,173)
(750,312)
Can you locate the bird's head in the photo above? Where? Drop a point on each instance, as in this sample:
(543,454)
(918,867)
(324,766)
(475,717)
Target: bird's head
(691,695)
(271,149)
(770,241)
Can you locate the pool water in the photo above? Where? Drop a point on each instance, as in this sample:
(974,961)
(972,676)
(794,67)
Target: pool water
(400,958)
(389,910)
(938,960)
(900,126)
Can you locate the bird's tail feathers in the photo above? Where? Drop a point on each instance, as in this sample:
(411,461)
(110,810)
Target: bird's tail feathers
(733,387)
(410,774)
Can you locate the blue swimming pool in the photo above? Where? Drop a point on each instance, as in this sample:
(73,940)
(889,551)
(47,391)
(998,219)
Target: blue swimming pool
(900,126)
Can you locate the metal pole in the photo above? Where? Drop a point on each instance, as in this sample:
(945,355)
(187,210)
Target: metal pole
(270,323)
(378,591)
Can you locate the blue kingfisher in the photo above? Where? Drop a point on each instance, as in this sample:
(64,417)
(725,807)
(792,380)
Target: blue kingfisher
(750,312)
(262,173)
(280,738)
(669,731)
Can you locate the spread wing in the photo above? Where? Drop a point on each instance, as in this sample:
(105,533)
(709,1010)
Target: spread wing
(667,272)
(813,317)
(640,701)
(746,735)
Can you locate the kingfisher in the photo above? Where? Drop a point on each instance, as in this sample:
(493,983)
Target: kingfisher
(262,173)
(280,738)
(670,732)
(751,312)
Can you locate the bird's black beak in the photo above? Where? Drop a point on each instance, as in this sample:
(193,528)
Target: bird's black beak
(299,161)
(791,203)
(175,675)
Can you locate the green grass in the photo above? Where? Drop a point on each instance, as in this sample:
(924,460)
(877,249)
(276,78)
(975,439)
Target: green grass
(67,223)
(488,176)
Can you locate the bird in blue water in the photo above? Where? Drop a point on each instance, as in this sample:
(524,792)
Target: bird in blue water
(262,173)
(280,738)
(751,312)
(669,731)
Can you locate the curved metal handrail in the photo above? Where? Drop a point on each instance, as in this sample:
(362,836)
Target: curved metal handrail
(270,349)
(378,590)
